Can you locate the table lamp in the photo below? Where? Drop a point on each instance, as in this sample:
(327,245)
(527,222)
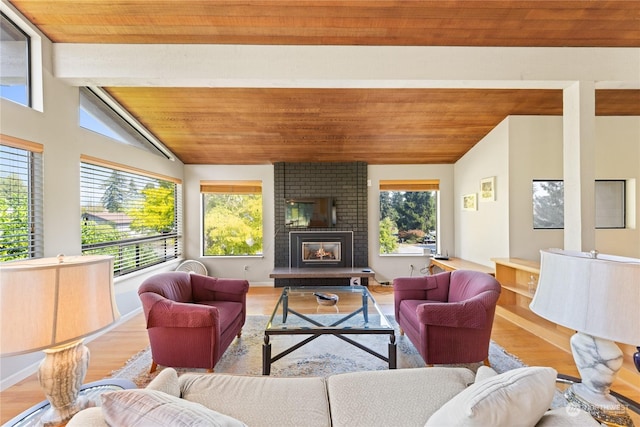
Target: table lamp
(598,296)
(51,304)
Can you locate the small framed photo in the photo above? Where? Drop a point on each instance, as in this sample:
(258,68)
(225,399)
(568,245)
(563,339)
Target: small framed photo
(488,189)
(469,202)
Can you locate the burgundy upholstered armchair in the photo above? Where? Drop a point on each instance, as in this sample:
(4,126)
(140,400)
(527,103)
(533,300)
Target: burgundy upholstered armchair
(192,319)
(448,316)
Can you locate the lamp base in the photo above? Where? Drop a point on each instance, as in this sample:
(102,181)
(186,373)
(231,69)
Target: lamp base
(598,361)
(92,392)
(610,415)
(61,375)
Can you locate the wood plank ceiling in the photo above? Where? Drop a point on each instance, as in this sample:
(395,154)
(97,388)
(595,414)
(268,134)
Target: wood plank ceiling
(377,126)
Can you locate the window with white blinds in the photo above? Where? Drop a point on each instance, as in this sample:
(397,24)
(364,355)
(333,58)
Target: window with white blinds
(21,199)
(133,216)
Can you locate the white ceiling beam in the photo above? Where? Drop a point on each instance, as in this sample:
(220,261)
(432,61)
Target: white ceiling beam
(176,65)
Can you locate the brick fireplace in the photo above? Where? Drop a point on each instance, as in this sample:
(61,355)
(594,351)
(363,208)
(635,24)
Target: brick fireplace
(348,189)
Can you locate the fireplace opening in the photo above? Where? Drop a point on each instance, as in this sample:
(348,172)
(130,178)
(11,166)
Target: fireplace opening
(320,249)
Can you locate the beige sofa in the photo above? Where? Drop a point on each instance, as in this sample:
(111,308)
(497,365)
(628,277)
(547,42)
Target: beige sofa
(431,396)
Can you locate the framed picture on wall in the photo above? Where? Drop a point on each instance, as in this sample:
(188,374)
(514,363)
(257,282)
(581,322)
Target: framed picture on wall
(469,202)
(488,189)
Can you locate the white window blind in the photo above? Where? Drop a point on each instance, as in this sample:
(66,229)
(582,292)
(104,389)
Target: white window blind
(21,199)
(132,216)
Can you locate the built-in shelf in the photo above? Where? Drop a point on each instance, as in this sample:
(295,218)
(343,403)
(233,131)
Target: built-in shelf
(514,274)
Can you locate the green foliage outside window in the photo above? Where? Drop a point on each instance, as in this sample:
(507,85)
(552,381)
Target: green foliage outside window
(14,218)
(232,224)
(408,219)
(388,239)
(157,212)
(548,204)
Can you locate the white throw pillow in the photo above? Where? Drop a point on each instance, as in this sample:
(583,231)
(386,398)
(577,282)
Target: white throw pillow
(152,408)
(519,397)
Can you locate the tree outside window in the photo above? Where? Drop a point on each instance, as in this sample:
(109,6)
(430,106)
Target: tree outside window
(408,222)
(232,219)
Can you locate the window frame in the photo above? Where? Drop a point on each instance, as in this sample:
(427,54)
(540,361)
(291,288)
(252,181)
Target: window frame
(410,185)
(28,71)
(622,209)
(238,187)
(36,83)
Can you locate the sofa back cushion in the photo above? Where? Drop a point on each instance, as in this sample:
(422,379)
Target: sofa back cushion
(261,401)
(397,397)
(173,285)
(466,284)
(155,408)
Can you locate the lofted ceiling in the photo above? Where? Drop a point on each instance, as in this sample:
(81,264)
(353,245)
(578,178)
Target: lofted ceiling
(235,125)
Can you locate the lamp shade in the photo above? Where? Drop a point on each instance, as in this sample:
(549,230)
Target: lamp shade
(48,302)
(597,296)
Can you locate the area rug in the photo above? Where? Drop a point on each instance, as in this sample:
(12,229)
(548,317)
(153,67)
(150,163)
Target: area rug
(324,356)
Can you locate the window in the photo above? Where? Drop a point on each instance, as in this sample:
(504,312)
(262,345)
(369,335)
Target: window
(548,204)
(14,63)
(231,218)
(610,204)
(408,213)
(99,113)
(132,215)
(21,199)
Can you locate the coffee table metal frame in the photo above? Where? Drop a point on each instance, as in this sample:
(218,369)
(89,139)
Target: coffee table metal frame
(337,328)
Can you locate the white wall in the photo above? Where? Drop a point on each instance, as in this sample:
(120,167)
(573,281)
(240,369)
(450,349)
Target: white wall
(388,267)
(259,267)
(484,233)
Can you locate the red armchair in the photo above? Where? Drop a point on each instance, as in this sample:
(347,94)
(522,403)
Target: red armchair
(448,316)
(192,319)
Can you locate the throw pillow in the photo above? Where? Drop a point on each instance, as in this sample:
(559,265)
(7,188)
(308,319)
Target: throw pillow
(515,398)
(142,408)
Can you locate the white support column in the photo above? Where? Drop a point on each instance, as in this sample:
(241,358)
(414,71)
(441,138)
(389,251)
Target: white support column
(579,166)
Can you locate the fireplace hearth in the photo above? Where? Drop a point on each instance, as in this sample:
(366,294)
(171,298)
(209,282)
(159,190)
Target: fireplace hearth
(318,249)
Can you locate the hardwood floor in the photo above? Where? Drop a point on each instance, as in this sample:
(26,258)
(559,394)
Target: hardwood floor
(110,351)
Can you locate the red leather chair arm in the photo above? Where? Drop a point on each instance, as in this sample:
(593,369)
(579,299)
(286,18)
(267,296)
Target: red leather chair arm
(466,314)
(205,288)
(171,314)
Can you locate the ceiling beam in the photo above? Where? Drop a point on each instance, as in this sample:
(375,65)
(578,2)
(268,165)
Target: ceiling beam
(176,65)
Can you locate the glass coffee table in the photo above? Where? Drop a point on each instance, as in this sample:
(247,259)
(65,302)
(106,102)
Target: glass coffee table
(307,310)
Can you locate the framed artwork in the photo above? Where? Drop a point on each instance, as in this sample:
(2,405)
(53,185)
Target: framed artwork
(469,202)
(488,189)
